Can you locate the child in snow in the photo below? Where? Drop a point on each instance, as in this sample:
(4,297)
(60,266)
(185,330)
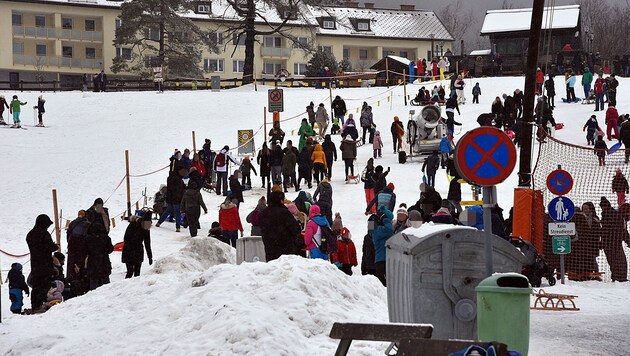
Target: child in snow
(476,91)
(54,295)
(600,150)
(620,186)
(230,220)
(335,126)
(17,284)
(591,127)
(40,110)
(3,104)
(377,144)
(446,148)
(246,168)
(346,256)
(15,107)
(217,232)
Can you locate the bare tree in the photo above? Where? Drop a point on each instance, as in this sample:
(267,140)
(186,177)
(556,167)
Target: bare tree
(507,4)
(39,70)
(607,24)
(457,22)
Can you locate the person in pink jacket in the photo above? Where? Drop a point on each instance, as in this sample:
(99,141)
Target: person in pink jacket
(313,235)
(377,144)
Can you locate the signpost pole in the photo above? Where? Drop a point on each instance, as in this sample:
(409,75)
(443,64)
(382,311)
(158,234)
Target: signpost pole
(405,85)
(489,200)
(562,268)
(265,123)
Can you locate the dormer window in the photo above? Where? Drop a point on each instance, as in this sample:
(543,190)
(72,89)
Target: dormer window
(328,24)
(203,9)
(363,26)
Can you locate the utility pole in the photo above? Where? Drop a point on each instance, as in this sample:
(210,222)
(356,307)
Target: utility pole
(525,165)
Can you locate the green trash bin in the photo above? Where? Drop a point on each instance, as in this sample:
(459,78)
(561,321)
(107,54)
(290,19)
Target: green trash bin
(503,310)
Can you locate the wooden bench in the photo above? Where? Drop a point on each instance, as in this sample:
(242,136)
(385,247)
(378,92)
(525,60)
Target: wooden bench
(346,332)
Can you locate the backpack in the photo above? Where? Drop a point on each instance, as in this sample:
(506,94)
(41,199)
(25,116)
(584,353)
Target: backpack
(220,160)
(329,240)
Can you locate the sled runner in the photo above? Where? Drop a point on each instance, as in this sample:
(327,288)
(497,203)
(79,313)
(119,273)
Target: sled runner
(549,301)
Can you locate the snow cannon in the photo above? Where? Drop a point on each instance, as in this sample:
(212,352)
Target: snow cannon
(424,130)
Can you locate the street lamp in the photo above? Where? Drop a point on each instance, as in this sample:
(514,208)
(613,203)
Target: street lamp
(441,48)
(432,37)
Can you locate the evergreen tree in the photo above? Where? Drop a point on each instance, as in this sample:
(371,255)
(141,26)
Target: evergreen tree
(159,35)
(320,60)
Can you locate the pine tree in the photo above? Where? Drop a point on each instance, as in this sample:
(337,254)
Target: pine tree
(159,35)
(319,61)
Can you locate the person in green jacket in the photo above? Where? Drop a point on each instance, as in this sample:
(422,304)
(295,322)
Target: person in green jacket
(587,79)
(15,108)
(305,132)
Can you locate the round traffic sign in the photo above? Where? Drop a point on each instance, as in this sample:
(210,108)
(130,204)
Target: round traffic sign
(485,156)
(561,209)
(275,95)
(559,182)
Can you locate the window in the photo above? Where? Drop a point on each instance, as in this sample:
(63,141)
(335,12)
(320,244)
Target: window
(152,34)
(329,24)
(66,51)
(90,25)
(275,42)
(288,14)
(300,42)
(40,21)
(66,23)
(203,9)
(238,40)
(363,26)
(118,23)
(216,37)
(213,65)
(40,50)
(404,54)
(363,54)
(18,48)
(90,53)
(346,53)
(326,49)
(16,19)
(299,68)
(151,61)
(237,66)
(271,68)
(123,53)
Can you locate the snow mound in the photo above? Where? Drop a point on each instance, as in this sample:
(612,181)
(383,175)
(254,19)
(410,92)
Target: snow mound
(258,308)
(198,255)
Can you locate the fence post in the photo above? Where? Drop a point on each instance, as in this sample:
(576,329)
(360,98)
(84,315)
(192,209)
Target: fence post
(194,143)
(265,123)
(405,85)
(56,215)
(387,71)
(128,184)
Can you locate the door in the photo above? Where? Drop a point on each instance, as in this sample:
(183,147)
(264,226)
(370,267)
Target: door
(14,80)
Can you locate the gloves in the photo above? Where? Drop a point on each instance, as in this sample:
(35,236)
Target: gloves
(205,211)
(150,261)
(28,293)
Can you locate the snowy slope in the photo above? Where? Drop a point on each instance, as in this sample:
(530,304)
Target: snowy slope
(81,154)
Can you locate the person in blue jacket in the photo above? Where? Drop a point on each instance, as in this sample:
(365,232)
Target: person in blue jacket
(17,284)
(383,231)
(446,148)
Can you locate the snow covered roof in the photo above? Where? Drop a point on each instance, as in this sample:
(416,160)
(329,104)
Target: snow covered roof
(402,60)
(511,20)
(480,52)
(384,23)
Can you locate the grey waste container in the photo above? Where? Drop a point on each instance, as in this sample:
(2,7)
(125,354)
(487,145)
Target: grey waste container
(250,249)
(432,272)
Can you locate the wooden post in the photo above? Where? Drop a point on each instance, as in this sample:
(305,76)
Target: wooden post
(265,123)
(387,71)
(330,95)
(194,143)
(56,215)
(405,85)
(128,184)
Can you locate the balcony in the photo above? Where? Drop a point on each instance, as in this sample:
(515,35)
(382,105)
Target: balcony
(58,33)
(58,61)
(273,52)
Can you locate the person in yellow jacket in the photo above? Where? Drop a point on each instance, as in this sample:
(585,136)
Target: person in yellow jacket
(319,162)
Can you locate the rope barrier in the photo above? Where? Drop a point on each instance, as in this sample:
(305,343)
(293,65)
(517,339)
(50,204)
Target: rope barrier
(15,255)
(115,189)
(148,174)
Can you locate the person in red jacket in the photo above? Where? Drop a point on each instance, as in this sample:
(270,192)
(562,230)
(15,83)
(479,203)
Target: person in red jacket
(600,85)
(198,163)
(540,78)
(346,256)
(612,119)
(230,220)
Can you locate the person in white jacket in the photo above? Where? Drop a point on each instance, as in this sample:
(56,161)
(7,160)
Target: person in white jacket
(221,167)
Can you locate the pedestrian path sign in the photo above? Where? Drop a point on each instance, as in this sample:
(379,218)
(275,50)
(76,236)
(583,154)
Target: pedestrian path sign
(561,209)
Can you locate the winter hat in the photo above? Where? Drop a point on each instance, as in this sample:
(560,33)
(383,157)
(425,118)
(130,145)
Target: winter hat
(396,118)
(215,225)
(345,233)
(337,223)
(391,185)
(98,201)
(292,208)
(350,116)
(314,211)
(402,211)
(415,215)
(16,266)
(208,140)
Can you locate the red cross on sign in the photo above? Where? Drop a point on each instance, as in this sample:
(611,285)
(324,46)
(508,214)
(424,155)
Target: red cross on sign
(276,100)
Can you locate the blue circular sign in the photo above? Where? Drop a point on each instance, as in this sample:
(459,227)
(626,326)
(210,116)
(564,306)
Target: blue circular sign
(561,209)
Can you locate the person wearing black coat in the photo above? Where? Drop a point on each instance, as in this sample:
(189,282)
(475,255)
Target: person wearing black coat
(236,188)
(519,98)
(305,167)
(498,111)
(263,161)
(192,202)
(41,247)
(331,153)
(339,108)
(77,249)
(509,114)
(281,233)
(136,235)
(380,179)
(614,232)
(550,87)
(367,261)
(323,198)
(275,162)
(195,176)
(97,214)
(175,189)
(99,246)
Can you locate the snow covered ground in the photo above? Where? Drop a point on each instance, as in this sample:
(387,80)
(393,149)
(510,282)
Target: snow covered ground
(190,301)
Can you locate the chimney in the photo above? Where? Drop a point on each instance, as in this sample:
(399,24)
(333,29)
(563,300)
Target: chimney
(369,5)
(408,7)
(354,4)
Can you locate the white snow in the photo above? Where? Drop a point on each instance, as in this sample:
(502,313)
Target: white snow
(253,308)
(558,17)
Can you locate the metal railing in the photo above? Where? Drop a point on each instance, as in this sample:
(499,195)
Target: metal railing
(58,33)
(58,61)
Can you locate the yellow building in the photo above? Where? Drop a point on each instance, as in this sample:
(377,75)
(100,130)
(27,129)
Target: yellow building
(63,39)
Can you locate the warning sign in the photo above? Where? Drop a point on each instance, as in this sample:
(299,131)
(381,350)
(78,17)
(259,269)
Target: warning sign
(276,100)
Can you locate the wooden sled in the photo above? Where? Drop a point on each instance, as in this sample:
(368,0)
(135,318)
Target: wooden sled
(585,276)
(353,179)
(550,301)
